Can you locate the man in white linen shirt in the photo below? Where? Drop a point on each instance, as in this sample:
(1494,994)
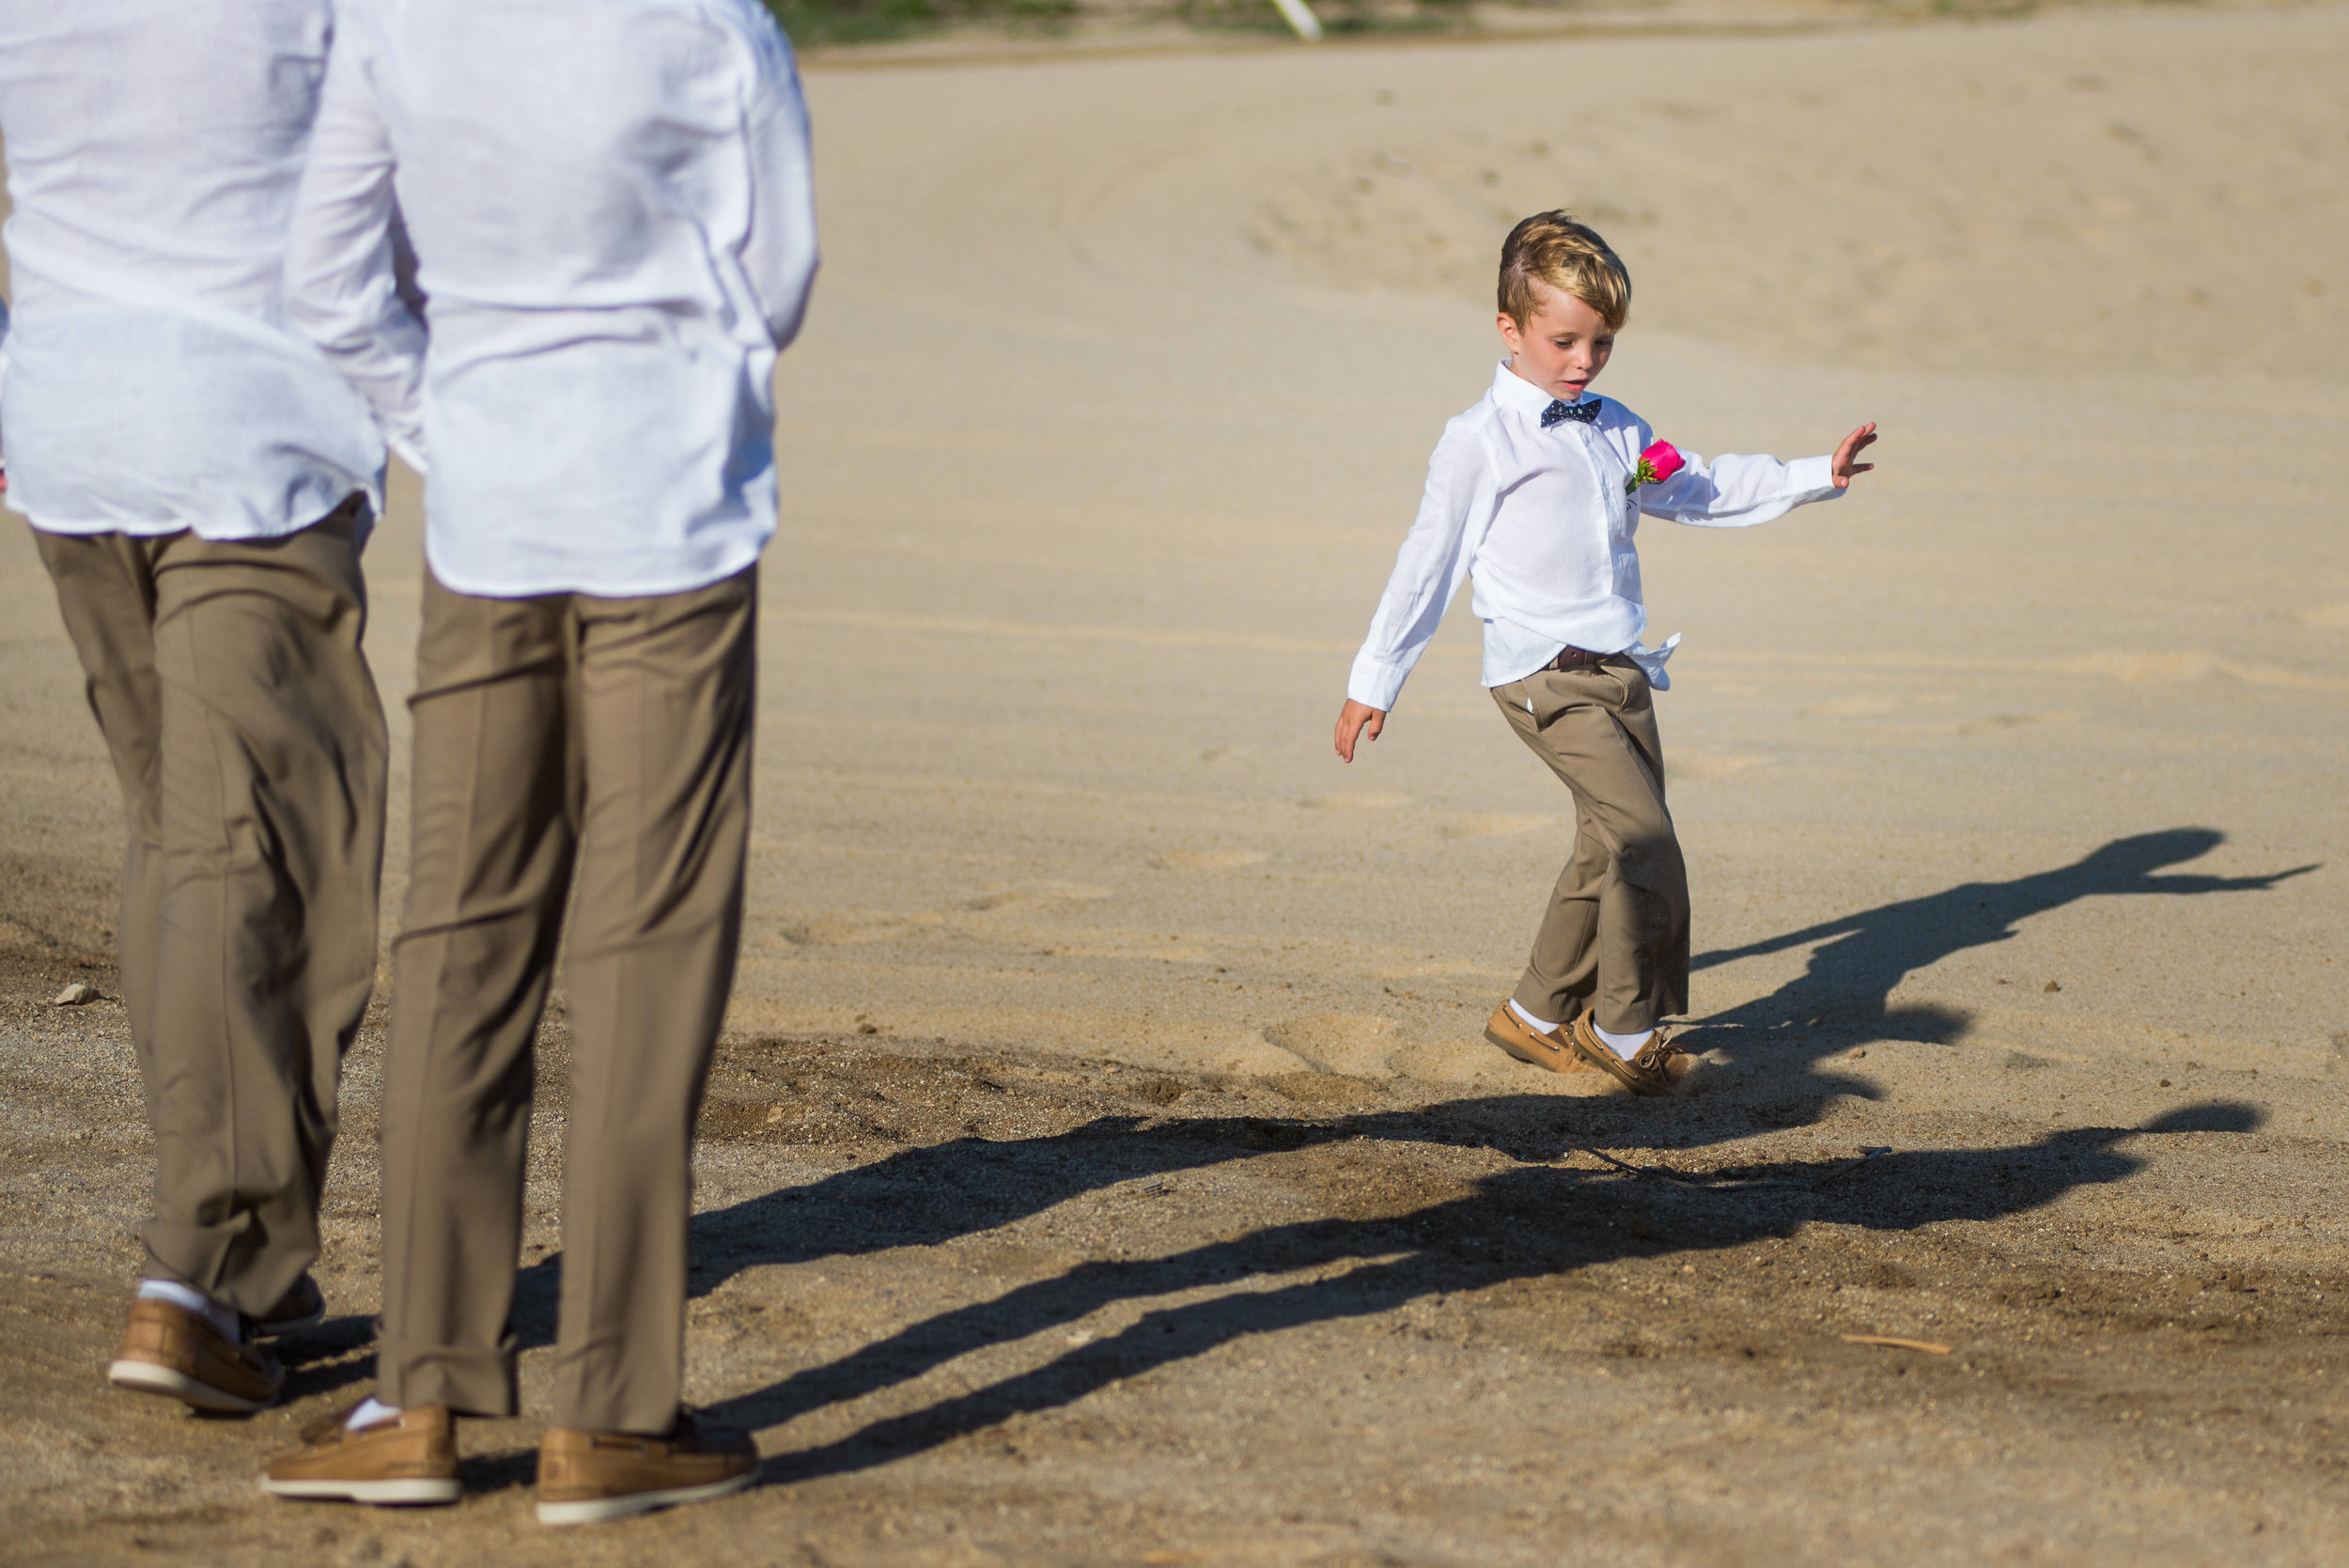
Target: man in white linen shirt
(1536,493)
(200,482)
(611,214)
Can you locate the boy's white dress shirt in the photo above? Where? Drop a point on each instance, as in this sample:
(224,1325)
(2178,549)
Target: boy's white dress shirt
(149,381)
(613,227)
(1538,517)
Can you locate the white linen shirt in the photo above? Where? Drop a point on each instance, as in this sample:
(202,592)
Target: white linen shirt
(148,381)
(613,227)
(1539,519)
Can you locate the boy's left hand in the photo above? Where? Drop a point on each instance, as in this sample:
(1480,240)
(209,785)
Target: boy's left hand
(1855,444)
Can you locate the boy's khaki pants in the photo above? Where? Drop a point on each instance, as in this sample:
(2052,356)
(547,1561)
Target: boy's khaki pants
(229,681)
(562,740)
(1617,933)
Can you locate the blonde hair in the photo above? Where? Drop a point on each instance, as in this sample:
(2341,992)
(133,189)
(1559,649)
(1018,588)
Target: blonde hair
(1557,249)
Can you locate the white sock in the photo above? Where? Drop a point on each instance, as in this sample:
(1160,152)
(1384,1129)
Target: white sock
(371,1410)
(218,1314)
(1625,1046)
(1530,1021)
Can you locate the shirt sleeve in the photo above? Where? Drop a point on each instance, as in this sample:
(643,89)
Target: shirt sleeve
(1454,514)
(778,256)
(343,288)
(1733,491)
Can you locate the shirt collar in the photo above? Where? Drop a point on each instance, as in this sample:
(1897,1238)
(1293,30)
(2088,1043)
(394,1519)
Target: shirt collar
(1513,390)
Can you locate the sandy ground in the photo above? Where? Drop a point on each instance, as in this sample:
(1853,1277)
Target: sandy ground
(1103,1165)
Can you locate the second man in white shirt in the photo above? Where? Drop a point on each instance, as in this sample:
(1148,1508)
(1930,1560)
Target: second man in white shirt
(612,214)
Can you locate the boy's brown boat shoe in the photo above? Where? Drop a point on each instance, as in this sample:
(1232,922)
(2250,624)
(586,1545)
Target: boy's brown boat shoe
(171,1351)
(1519,1039)
(1653,1070)
(403,1460)
(587,1477)
(302,1306)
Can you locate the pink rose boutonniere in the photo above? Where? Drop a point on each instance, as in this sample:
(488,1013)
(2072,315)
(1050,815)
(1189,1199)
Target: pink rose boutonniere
(1658,463)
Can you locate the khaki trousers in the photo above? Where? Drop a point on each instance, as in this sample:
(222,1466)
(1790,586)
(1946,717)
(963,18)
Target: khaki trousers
(1617,933)
(229,681)
(562,741)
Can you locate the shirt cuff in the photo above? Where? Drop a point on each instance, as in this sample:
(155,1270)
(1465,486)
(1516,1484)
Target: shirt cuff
(1375,683)
(1813,478)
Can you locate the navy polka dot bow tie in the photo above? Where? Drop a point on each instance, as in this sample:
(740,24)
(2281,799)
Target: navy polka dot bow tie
(1559,410)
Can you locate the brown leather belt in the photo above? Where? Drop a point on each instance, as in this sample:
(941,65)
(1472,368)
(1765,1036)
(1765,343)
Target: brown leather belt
(1574,658)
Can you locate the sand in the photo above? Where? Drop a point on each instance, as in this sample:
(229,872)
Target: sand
(1104,1165)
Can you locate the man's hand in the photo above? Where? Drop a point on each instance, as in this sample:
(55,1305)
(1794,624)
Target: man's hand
(1855,444)
(1358,718)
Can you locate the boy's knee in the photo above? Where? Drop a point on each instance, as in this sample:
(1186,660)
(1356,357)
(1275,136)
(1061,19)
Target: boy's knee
(1651,859)
(1648,840)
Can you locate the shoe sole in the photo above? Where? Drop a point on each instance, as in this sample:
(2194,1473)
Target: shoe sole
(289,1326)
(1511,1048)
(595,1511)
(410,1492)
(147,1378)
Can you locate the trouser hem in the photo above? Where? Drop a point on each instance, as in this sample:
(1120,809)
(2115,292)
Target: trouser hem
(1535,996)
(471,1381)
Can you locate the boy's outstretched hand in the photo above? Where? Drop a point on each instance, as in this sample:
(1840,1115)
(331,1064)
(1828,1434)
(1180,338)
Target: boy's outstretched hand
(1358,718)
(1854,444)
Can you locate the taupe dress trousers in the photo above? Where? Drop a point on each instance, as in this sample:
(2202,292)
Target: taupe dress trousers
(228,680)
(1615,935)
(597,750)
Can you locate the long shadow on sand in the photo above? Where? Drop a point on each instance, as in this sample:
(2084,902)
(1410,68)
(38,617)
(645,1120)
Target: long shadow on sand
(929,1195)
(1532,1222)
(1843,995)
(932,1195)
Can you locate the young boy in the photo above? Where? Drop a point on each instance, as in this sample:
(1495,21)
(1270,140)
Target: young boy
(1534,492)
(612,214)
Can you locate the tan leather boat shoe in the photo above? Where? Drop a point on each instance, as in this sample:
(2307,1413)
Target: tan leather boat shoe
(401,1461)
(1653,1071)
(587,1477)
(1516,1036)
(171,1351)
